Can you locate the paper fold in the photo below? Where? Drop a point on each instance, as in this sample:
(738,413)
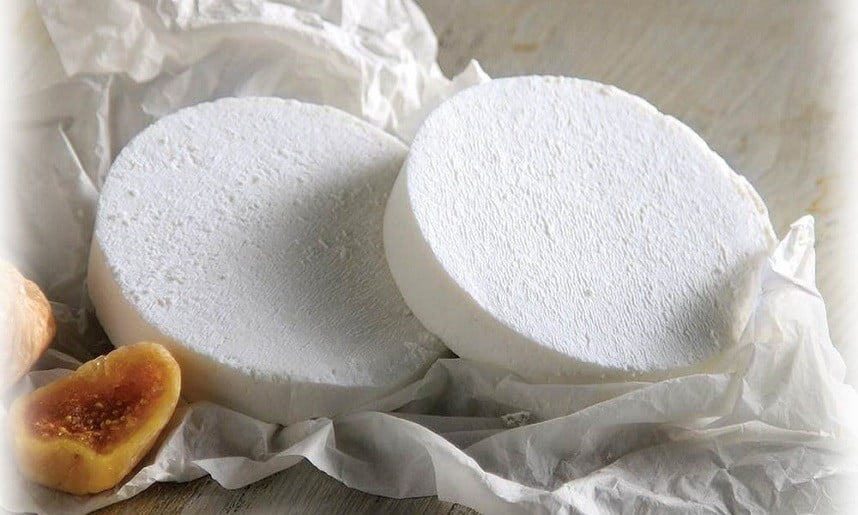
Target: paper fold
(770,437)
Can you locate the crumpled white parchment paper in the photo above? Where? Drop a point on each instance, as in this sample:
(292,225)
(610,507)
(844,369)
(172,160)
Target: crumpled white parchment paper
(773,434)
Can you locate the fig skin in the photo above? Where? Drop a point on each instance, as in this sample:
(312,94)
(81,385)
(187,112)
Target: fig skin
(27,324)
(86,431)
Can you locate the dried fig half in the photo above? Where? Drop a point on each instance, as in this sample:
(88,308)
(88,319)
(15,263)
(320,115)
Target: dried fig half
(84,432)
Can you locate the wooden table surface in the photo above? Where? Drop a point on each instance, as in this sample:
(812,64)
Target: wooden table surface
(753,78)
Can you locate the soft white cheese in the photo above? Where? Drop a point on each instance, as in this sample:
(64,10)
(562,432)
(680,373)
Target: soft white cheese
(246,235)
(567,230)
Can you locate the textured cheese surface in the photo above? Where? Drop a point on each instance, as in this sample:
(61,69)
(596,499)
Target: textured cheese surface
(562,228)
(247,235)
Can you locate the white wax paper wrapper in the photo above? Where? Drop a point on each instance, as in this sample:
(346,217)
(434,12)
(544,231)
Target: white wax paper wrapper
(772,434)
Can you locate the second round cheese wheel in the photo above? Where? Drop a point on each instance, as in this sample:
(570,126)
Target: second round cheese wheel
(246,235)
(567,230)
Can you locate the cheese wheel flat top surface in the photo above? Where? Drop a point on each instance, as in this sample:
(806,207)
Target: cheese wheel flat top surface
(246,234)
(567,228)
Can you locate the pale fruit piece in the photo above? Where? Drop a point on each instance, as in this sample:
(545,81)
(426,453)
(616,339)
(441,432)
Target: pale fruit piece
(26,322)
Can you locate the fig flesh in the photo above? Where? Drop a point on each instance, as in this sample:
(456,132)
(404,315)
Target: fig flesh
(86,431)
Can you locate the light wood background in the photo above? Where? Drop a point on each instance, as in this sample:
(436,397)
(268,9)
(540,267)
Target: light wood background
(755,79)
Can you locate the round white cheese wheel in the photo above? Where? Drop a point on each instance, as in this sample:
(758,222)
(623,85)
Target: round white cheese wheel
(246,235)
(567,230)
